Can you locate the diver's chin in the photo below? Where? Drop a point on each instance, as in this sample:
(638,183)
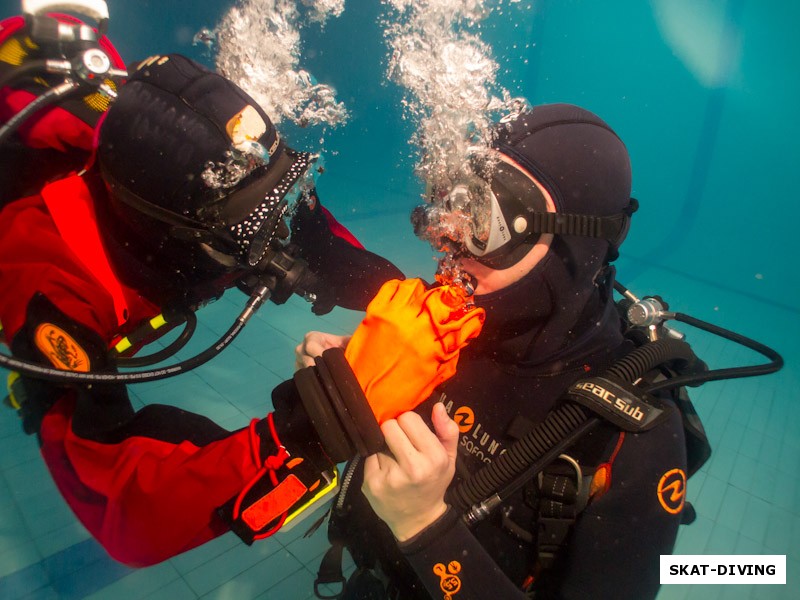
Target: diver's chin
(478,273)
(491,280)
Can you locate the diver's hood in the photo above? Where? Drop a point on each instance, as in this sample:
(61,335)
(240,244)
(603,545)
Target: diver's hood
(579,160)
(566,300)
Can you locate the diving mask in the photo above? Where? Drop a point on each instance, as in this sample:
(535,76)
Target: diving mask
(263,224)
(244,232)
(497,215)
(488,216)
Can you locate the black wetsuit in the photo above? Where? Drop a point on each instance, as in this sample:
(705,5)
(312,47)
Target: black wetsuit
(502,387)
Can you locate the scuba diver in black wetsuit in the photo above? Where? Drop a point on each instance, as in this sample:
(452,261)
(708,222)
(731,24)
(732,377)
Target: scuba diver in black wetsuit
(468,510)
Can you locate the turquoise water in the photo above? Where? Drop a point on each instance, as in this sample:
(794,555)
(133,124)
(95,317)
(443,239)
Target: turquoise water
(703,93)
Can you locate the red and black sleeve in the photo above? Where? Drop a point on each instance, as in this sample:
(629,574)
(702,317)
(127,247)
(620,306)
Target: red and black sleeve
(349,274)
(146,483)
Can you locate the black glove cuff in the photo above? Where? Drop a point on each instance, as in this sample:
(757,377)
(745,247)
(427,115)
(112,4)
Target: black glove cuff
(338,408)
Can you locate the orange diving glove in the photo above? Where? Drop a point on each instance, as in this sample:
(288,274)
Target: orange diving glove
(409,342)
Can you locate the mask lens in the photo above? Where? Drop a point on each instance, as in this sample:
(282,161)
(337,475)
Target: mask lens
(480,210)
(454,220)
(255,233)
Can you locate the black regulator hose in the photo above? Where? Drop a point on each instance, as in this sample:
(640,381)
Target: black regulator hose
(533,451)
(775,364)
(175,346)
(494,483)
(651,311)
(31,66)
(37,371)
(644,358)
(53,95)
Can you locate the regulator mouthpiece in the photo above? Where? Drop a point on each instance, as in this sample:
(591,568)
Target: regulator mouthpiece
(462,283)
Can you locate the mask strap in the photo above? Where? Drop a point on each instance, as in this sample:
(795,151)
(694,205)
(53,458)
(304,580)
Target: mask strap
(612,228)
(182,228)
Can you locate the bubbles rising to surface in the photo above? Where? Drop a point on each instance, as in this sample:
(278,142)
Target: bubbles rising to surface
(206,37)
(259,45)
(321,10)
(225,175)
(448,73)
(452,96)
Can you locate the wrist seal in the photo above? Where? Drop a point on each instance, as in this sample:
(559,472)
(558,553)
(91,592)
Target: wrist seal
(337,407)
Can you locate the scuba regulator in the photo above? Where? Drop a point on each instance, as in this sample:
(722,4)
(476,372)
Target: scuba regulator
(73,51)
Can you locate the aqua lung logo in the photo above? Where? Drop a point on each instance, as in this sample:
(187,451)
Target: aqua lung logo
(622,405)
(501,227)
(473,437)
(672,491)
(464,418)
(498,232)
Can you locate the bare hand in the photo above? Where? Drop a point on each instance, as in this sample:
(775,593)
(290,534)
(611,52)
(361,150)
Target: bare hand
(314,344)
(406,489)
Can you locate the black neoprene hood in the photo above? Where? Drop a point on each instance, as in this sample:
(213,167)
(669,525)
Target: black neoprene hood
(574,154)
(174,124)
(584,166)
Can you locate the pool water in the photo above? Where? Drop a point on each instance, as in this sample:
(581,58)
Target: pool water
(704,93)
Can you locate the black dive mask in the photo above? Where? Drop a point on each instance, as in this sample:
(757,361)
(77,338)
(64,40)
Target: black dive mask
(498,215)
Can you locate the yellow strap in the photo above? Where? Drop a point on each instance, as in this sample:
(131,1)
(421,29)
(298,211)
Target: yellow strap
(12,400)
(123,345)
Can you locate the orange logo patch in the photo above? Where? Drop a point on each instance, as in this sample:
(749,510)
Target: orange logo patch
(672,491)
(464,418)
(449,582)
(58,346)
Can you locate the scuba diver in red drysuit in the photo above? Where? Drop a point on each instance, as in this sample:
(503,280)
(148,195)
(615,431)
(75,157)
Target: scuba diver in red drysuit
(185,196)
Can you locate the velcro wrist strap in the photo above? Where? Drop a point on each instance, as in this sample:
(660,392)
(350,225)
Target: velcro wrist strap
(282,489)
(260,509)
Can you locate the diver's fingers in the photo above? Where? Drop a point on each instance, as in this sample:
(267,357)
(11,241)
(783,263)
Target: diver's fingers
(314,344)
